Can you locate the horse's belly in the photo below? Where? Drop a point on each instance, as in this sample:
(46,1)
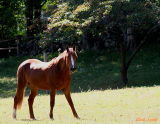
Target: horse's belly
(39,85)
(42,80)
(60,84)
(38,81)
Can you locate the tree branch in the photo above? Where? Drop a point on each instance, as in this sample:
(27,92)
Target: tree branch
(43,3)
(140,45)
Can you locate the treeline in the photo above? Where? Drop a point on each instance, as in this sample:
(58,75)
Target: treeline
(99,23)
(92,23)
(122,25)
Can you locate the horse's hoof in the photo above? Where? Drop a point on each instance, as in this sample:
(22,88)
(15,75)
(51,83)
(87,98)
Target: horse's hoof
(77,117)
(14,116)
(33,119)
(51,118)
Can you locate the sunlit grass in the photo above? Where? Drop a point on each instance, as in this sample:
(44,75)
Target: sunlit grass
(7,79)
(121,106)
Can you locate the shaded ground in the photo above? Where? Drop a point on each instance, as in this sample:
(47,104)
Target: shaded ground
(96,70)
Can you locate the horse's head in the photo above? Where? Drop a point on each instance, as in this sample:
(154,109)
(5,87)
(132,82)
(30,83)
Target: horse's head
(72,57)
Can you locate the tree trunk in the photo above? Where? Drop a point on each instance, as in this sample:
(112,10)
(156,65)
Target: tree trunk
(124,76)
(85,45)
(123,50)
(37,17)
(124,68)
(130,39)
(29,17)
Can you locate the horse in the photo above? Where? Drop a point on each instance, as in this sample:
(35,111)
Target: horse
(53,75)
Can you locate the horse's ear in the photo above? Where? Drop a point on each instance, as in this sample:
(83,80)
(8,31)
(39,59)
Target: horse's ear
(74,48)
(59,50)
(67,48)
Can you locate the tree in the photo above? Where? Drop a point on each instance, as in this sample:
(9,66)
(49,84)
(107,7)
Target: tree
(29,17)
(33,16)
(143,17)
(10,16)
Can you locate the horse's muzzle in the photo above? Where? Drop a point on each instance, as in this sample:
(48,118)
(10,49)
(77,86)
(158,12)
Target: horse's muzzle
(73,69)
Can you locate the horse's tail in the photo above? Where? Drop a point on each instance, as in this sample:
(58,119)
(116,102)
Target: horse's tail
(21,83)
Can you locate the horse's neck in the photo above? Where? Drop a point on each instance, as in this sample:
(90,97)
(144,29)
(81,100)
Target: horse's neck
(62,61)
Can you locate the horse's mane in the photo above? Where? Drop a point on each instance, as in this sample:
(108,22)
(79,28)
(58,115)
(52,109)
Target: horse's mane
(60,59)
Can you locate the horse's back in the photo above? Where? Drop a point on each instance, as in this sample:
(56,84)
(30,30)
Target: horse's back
(28,62)
(24,67)
(35,72)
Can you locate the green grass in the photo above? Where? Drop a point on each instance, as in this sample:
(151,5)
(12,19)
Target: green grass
(96,70)
(95,90)
(121,106)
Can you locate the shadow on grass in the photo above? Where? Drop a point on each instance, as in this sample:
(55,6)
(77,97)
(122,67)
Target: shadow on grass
(81,84)
(30,120)
(7,89)
(97,71)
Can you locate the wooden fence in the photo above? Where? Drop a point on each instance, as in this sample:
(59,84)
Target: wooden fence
(20,45)
(10,47)
(14,44)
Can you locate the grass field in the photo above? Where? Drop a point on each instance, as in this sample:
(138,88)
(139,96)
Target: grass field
(97,92)
(121,106)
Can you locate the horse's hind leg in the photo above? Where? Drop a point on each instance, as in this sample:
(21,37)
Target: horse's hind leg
(69,99)
(52,102)
(30,102)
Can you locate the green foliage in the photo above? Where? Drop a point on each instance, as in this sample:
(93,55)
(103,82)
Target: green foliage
(11,22)
(70,20)
(73,20)
(139,15)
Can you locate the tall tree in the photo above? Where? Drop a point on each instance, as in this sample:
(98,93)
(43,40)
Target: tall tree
(141,16)
(29,17)
(9,17)
(33,16)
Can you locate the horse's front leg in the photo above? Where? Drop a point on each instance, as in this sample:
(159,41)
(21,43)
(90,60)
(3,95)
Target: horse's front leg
(69,99)
(30,102)
(52,102)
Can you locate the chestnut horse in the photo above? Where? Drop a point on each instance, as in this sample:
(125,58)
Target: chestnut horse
(54,75)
